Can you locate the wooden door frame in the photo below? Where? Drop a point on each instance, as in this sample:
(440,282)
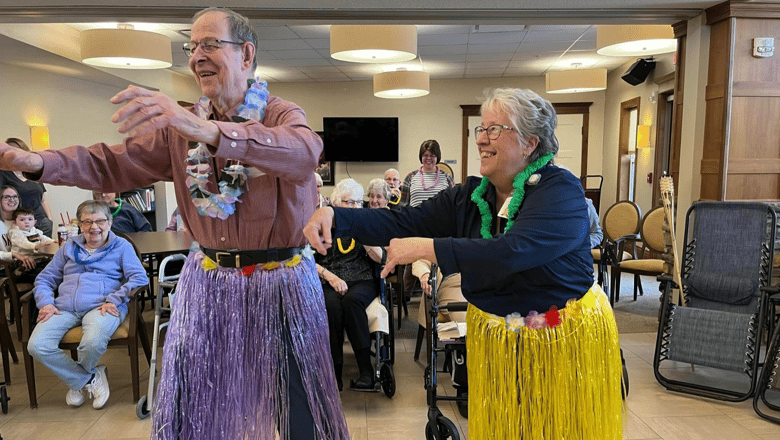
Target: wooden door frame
(561,108)
(625,128)
(660,117)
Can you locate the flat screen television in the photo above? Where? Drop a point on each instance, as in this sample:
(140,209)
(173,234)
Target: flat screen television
(360,139)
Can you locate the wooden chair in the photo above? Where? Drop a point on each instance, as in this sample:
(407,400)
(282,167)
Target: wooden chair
(128,334)
(644,261)
(621,220)
(6,344)
(14,290)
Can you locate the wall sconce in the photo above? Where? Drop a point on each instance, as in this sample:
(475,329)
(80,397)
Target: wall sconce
(39,137)
(643,136)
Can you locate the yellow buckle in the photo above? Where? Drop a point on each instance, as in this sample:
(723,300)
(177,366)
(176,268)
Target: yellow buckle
(219,254)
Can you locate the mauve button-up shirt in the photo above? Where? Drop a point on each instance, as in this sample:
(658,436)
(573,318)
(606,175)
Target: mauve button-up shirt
(271,214)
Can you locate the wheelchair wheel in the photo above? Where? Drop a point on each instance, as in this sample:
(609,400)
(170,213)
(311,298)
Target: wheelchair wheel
(4,399)
(443,430)
(387,378)
(141,410)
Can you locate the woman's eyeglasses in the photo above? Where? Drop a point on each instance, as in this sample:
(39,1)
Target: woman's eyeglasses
(348,202)
(88,223)
(10,197)
(493,132)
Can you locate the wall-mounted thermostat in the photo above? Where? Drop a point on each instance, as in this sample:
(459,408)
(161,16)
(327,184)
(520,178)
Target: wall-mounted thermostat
(763,47)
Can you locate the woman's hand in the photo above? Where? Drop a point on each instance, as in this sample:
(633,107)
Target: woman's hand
(27,262)
(46,312)
(406,251)
(317,231)
(426,288)
(337,283)
(110,308)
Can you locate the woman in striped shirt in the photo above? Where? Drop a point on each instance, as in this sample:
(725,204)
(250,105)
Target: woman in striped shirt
(427,181)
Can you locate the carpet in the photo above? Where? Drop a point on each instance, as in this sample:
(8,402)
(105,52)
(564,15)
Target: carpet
(640,316)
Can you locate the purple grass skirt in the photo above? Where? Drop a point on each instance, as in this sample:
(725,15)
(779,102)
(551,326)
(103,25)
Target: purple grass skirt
(224,369)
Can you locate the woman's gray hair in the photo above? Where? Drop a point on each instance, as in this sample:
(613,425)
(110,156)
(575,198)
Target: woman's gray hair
(379,185)
(348,187)
(318,178)
(530,115)
(94,207)
(240,28)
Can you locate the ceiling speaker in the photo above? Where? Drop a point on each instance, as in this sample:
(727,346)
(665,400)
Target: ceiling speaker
(637,73)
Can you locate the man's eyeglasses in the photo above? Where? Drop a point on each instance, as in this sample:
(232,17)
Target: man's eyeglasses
(351,202)
(88,223)
(207,45)
(493,132)
(10,197)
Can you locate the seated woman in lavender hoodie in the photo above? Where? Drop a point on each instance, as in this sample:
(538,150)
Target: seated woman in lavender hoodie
(93,274)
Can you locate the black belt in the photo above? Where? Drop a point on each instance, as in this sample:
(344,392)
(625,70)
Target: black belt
(228,258)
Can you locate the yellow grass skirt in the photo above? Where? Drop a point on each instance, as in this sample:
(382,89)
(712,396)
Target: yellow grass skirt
(549,383)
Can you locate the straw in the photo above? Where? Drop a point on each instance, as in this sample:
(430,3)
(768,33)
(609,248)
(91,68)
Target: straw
(68,214)
(63,219)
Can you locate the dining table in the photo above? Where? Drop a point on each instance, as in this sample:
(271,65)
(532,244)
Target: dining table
(154,246)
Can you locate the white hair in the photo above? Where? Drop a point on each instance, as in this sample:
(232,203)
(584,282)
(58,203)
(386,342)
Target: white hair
(318,178)
(378,185)
(347,187)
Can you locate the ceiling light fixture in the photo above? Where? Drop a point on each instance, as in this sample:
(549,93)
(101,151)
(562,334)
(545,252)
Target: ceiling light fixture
(125,48)
(373,43)
(401,83)
(576,80)
(640,41)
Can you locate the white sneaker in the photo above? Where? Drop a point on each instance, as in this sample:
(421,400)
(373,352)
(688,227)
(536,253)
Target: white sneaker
(98,388)
(75,398)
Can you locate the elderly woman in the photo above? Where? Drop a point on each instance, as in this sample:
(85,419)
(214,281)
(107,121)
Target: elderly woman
(378,194)
(9,202)
(349,286)
(543,348)
(93,274)
(31,193)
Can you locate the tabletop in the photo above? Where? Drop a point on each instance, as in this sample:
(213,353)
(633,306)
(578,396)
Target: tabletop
(161,242)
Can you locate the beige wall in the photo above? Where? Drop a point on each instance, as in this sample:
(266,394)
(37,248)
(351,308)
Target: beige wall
(76,112)
(435,116)
(619,91)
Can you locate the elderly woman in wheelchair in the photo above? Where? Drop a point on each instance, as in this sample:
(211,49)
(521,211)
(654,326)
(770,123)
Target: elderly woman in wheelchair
(349,286)
(92,274)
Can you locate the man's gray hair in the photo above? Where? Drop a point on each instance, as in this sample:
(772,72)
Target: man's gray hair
(378,185)
(240,28)
(530,115)
(349,188)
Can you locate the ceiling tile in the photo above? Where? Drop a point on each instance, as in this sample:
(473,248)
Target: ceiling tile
(455,57)
(311,31)
(492,48)
(425,29)
(277,45)
(308,62)
(318,43)
(442,39)
(584,45)
(560,35)
(274,33)
(485,71)
(487,65)
(496,37)
(489,56)
(501,27)
(294,54)
(442,50)
(544,46)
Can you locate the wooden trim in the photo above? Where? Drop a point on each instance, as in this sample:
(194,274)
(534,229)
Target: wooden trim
(664,79)
(572,108)
(710,166)
(584,155)
(741,9)
(680,28)
(468,110)
(756,88)
(732,36)
(660,117)
(625,108)
(754,166)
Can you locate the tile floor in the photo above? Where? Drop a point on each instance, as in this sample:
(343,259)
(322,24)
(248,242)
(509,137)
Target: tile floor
(652,412)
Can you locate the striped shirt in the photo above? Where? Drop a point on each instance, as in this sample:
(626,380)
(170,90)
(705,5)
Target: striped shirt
(420,193)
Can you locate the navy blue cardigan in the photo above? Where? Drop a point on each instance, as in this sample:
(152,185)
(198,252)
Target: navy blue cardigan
(543,260)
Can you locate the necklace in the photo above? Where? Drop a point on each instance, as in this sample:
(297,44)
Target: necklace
(234,177)
(517,196)
(422,180)
(341,247)
(118,208)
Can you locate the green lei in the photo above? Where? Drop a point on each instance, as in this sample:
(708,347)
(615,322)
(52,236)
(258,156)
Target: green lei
(517,198)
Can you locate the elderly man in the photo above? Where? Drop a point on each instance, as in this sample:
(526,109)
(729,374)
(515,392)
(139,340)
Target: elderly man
(246,354)
(125,218)
(393,179)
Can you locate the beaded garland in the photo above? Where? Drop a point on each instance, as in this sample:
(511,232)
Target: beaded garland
(235,176)
(517,197)
(422,180)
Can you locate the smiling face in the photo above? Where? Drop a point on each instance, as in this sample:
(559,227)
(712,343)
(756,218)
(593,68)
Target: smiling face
(221,74)
(503,158)
(95,227)
(10,200)
(429,161)
(376,199)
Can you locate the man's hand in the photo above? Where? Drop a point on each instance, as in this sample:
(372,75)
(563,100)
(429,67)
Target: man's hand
(317,231)
(47,312)
(15,159)
(110,308)
(146,111)
(406,251)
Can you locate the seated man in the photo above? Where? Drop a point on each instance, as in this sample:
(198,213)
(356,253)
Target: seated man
(393,179)
(349,286)
(125,218)
(448,291)
(93,274)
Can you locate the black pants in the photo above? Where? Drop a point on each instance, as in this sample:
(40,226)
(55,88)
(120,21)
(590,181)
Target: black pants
(348,312)
(301,420)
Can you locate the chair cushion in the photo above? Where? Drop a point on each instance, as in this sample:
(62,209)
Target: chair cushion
(73,336)
(649,265)
(722,287)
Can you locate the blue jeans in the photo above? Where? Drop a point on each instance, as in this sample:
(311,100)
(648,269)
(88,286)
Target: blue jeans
(97,331)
